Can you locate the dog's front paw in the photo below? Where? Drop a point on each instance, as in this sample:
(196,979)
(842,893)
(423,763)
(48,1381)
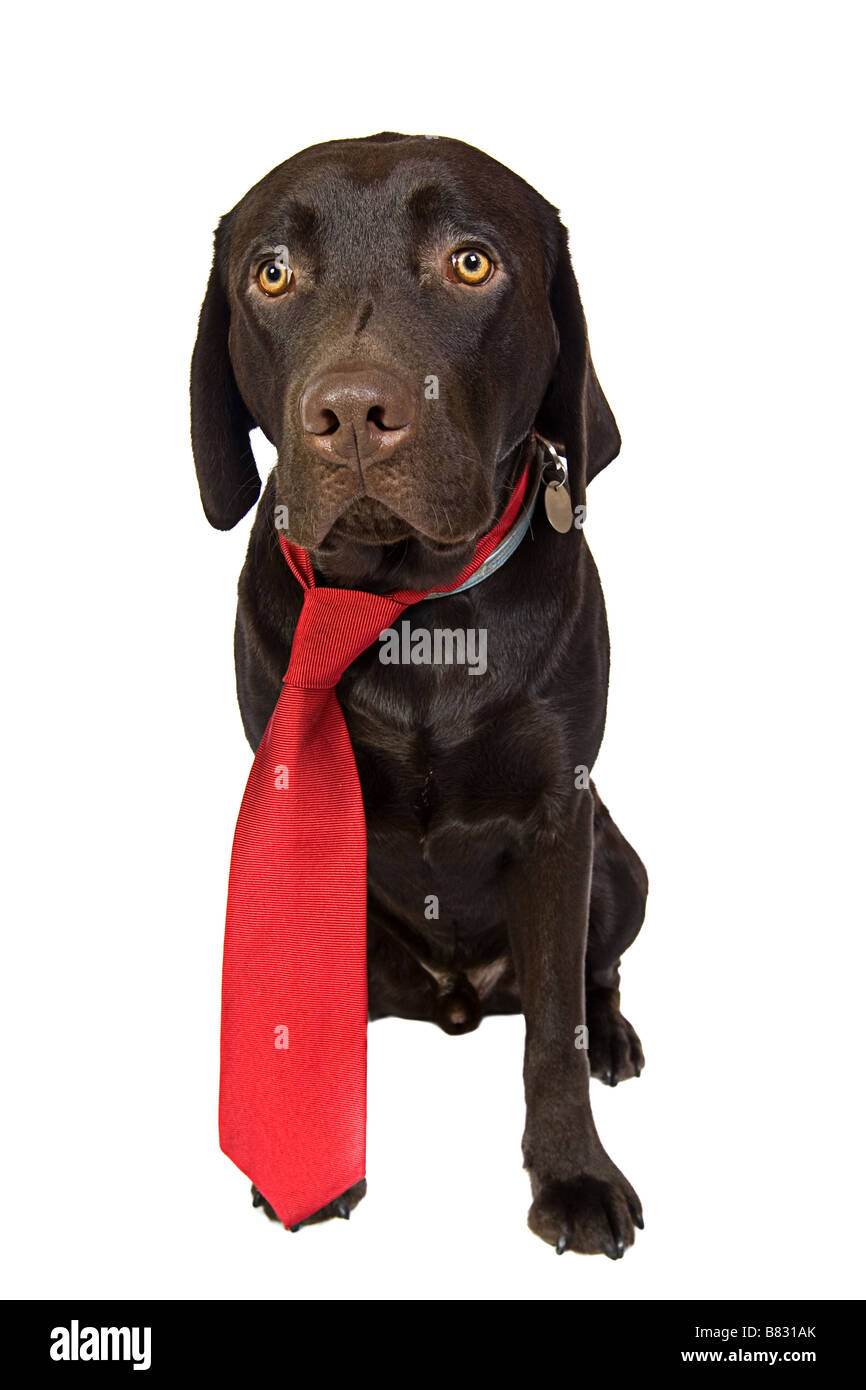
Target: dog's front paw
(591,1215)
(341,1207)
(615,1052)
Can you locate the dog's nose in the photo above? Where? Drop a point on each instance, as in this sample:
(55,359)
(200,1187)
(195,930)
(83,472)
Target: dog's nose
(359,413)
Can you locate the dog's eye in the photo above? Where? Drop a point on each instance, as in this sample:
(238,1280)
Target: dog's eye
(274,277)
(471,266)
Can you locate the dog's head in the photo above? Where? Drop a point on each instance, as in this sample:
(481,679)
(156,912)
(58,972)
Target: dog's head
(396,314)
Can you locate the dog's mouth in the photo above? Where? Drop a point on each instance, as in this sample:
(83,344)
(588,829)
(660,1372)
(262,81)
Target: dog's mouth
(368,521)
(371,523)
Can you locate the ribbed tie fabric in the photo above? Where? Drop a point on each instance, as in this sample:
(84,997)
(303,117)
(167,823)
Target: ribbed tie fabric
(293,1068)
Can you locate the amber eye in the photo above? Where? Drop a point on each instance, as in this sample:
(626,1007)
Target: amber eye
(274,277)
(472,266)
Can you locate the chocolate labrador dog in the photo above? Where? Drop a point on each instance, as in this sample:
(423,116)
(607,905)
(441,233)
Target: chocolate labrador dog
(399,316)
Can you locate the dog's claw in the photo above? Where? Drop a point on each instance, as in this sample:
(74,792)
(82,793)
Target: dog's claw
(295,1228)
(343,1211)
(562,1245)
(257,1198)
(615,1052)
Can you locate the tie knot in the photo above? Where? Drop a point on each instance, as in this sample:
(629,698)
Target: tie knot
(335,626)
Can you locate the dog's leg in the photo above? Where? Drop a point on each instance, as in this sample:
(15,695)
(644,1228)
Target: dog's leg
(581,1201)
(616,912)
(397,986)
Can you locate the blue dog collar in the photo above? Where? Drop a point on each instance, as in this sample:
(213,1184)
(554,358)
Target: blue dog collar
(506,546)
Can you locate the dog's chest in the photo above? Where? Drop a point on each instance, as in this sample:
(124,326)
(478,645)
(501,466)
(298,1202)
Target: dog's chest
(452,784)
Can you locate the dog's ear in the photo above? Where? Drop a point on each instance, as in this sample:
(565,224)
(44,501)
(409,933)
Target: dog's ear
(221,424)
(574,412)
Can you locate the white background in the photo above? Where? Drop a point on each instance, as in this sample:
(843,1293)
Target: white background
(708,161)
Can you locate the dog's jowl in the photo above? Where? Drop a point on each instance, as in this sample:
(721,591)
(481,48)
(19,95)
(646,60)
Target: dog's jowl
(422,663)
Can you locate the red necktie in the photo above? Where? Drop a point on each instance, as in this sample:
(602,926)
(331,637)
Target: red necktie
(293,1070)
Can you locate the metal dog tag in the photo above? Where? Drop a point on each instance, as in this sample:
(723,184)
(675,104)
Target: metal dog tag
(557,498)
(557,504)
